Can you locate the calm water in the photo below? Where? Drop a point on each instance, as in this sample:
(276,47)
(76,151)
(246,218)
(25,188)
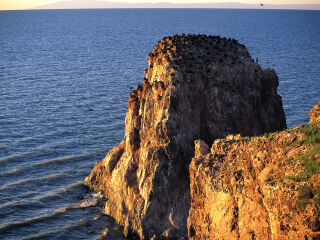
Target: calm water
(56,65)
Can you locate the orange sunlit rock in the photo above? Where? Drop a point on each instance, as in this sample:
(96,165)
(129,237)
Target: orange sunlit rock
(196,87)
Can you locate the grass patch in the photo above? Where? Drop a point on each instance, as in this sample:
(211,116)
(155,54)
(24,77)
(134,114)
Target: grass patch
(311,132)
(266,135)
(312,166)
(294,143)
(311,135)
(309,159)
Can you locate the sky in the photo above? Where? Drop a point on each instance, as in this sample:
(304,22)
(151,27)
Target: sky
(25,4)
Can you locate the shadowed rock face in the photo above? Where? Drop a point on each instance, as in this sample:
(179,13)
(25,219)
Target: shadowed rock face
(196,87)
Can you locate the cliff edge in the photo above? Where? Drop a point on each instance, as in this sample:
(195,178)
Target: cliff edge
(265,187)
(196,87)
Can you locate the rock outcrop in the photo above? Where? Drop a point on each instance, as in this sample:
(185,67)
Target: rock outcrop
(196,87)
(258,188)
(315,113)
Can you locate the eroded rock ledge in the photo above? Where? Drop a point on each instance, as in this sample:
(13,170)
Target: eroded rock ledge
(265,187)
(196,87)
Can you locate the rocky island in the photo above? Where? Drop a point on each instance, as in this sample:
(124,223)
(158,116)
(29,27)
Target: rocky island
(163,181)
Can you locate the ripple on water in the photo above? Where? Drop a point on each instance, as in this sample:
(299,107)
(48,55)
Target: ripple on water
(19,169)
(46,202)
(43,149)
(95,223)
(77,187)
(32,180)
(45,168)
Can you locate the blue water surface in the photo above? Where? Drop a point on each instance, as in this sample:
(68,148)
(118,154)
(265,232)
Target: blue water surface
(65,79)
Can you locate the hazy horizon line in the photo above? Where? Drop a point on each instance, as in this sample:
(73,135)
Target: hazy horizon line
(96,4)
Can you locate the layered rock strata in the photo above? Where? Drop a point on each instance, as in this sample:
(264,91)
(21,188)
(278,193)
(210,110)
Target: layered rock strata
(196,87)
(259,187)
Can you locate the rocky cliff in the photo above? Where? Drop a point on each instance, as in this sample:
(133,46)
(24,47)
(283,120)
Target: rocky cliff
(196,87)
(264,187)
(315,113)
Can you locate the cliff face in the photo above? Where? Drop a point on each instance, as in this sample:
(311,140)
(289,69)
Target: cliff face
(258,188)
(196,87)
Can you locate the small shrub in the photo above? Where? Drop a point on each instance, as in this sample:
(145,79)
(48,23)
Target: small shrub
(302,203)
(304,194)
(290,160)
(298,178)
(316,197)
(305,191)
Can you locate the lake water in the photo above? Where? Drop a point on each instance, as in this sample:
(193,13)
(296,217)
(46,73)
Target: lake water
(65,79)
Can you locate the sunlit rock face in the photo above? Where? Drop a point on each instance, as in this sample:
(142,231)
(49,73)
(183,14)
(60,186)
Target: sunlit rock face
(265,187)
(315,113)
(196,87)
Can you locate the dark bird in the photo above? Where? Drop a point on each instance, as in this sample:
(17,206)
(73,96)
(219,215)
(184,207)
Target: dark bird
(261,4)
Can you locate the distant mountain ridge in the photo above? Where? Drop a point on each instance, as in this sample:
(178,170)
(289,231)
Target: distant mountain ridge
(85,4)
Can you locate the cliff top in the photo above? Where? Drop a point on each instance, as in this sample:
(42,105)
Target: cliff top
(271,183)
(191,54)
(193,47)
